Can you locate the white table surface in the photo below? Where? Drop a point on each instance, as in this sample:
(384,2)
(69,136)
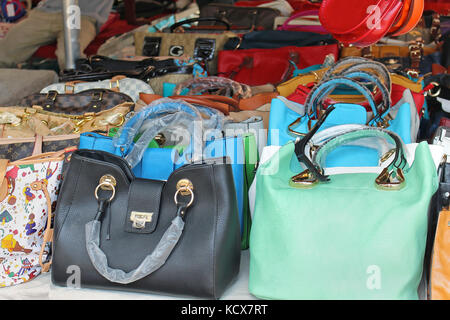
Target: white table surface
(41,288)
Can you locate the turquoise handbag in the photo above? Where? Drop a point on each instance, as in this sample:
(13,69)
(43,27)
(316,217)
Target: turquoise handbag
(343,236)
(287,116)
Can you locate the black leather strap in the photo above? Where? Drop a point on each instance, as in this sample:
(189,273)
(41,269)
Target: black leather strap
(301,144)
(189,21)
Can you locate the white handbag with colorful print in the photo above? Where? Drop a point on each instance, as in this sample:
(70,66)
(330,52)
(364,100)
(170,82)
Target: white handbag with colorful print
(28,190)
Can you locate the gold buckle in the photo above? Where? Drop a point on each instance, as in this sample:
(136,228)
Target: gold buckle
(437,93)
(99,94)
(303,180)
(387,181)
(139,219)
(293,124)
(55,94)
(185,188)
(111,85)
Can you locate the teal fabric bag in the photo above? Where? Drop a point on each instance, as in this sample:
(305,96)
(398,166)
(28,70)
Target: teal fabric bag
(345,238)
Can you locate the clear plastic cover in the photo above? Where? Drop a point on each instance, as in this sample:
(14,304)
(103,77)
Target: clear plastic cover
(174,118)
(150,264)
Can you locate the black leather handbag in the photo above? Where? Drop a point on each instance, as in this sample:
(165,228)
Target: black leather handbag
(100,68)
(178,237)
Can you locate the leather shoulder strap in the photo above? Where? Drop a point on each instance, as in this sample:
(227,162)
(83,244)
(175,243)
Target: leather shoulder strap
(257,100)
(3,180)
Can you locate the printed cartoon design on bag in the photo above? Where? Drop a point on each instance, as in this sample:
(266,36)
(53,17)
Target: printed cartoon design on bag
(5,217)
(28,195)
(12,244)
(30,225)
(23,218)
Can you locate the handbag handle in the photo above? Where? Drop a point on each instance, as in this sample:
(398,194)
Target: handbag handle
(325,88)
(391,177)
(151,262)
(286,27)
(371,79)
(351,64)
(221,103)
(3,180)
(189,21)
(202,84)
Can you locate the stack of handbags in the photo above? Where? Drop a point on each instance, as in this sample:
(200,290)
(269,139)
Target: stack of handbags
(369,20)
(347,247)
(289,120)
(110,207)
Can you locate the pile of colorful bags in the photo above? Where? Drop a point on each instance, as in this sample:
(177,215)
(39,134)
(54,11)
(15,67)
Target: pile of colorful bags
(311,135)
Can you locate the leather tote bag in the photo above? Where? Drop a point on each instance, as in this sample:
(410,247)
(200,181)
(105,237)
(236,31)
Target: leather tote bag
(14,149)
(270,39)
(250,18)
(141,235)
(202,47)
(93,100)
(179,119)
(256,67)
(27,122)
(347,247)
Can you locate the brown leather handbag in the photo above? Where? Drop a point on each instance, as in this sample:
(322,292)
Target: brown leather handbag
(440,260)
(15,149)
(249,18)
(93,100)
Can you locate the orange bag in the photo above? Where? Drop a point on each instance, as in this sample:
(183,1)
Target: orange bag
(440,259)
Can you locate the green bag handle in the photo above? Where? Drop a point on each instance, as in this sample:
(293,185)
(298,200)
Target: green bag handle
(392,176)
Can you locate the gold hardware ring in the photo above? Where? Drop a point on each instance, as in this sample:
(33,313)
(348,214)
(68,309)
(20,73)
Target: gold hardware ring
(108,185)
(184,189)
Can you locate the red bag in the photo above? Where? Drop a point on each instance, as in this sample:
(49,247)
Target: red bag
(439,6)
(256,67)
(359,22)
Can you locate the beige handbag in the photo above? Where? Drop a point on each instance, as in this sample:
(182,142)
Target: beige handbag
(26,122)
(196,45)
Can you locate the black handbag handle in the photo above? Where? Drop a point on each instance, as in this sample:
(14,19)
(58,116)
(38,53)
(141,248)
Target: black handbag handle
(180,23)
(384,180)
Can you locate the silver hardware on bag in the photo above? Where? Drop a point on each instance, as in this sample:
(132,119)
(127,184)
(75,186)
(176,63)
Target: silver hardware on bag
(139,219)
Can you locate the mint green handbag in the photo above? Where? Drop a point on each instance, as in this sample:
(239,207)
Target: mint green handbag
(343,236)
